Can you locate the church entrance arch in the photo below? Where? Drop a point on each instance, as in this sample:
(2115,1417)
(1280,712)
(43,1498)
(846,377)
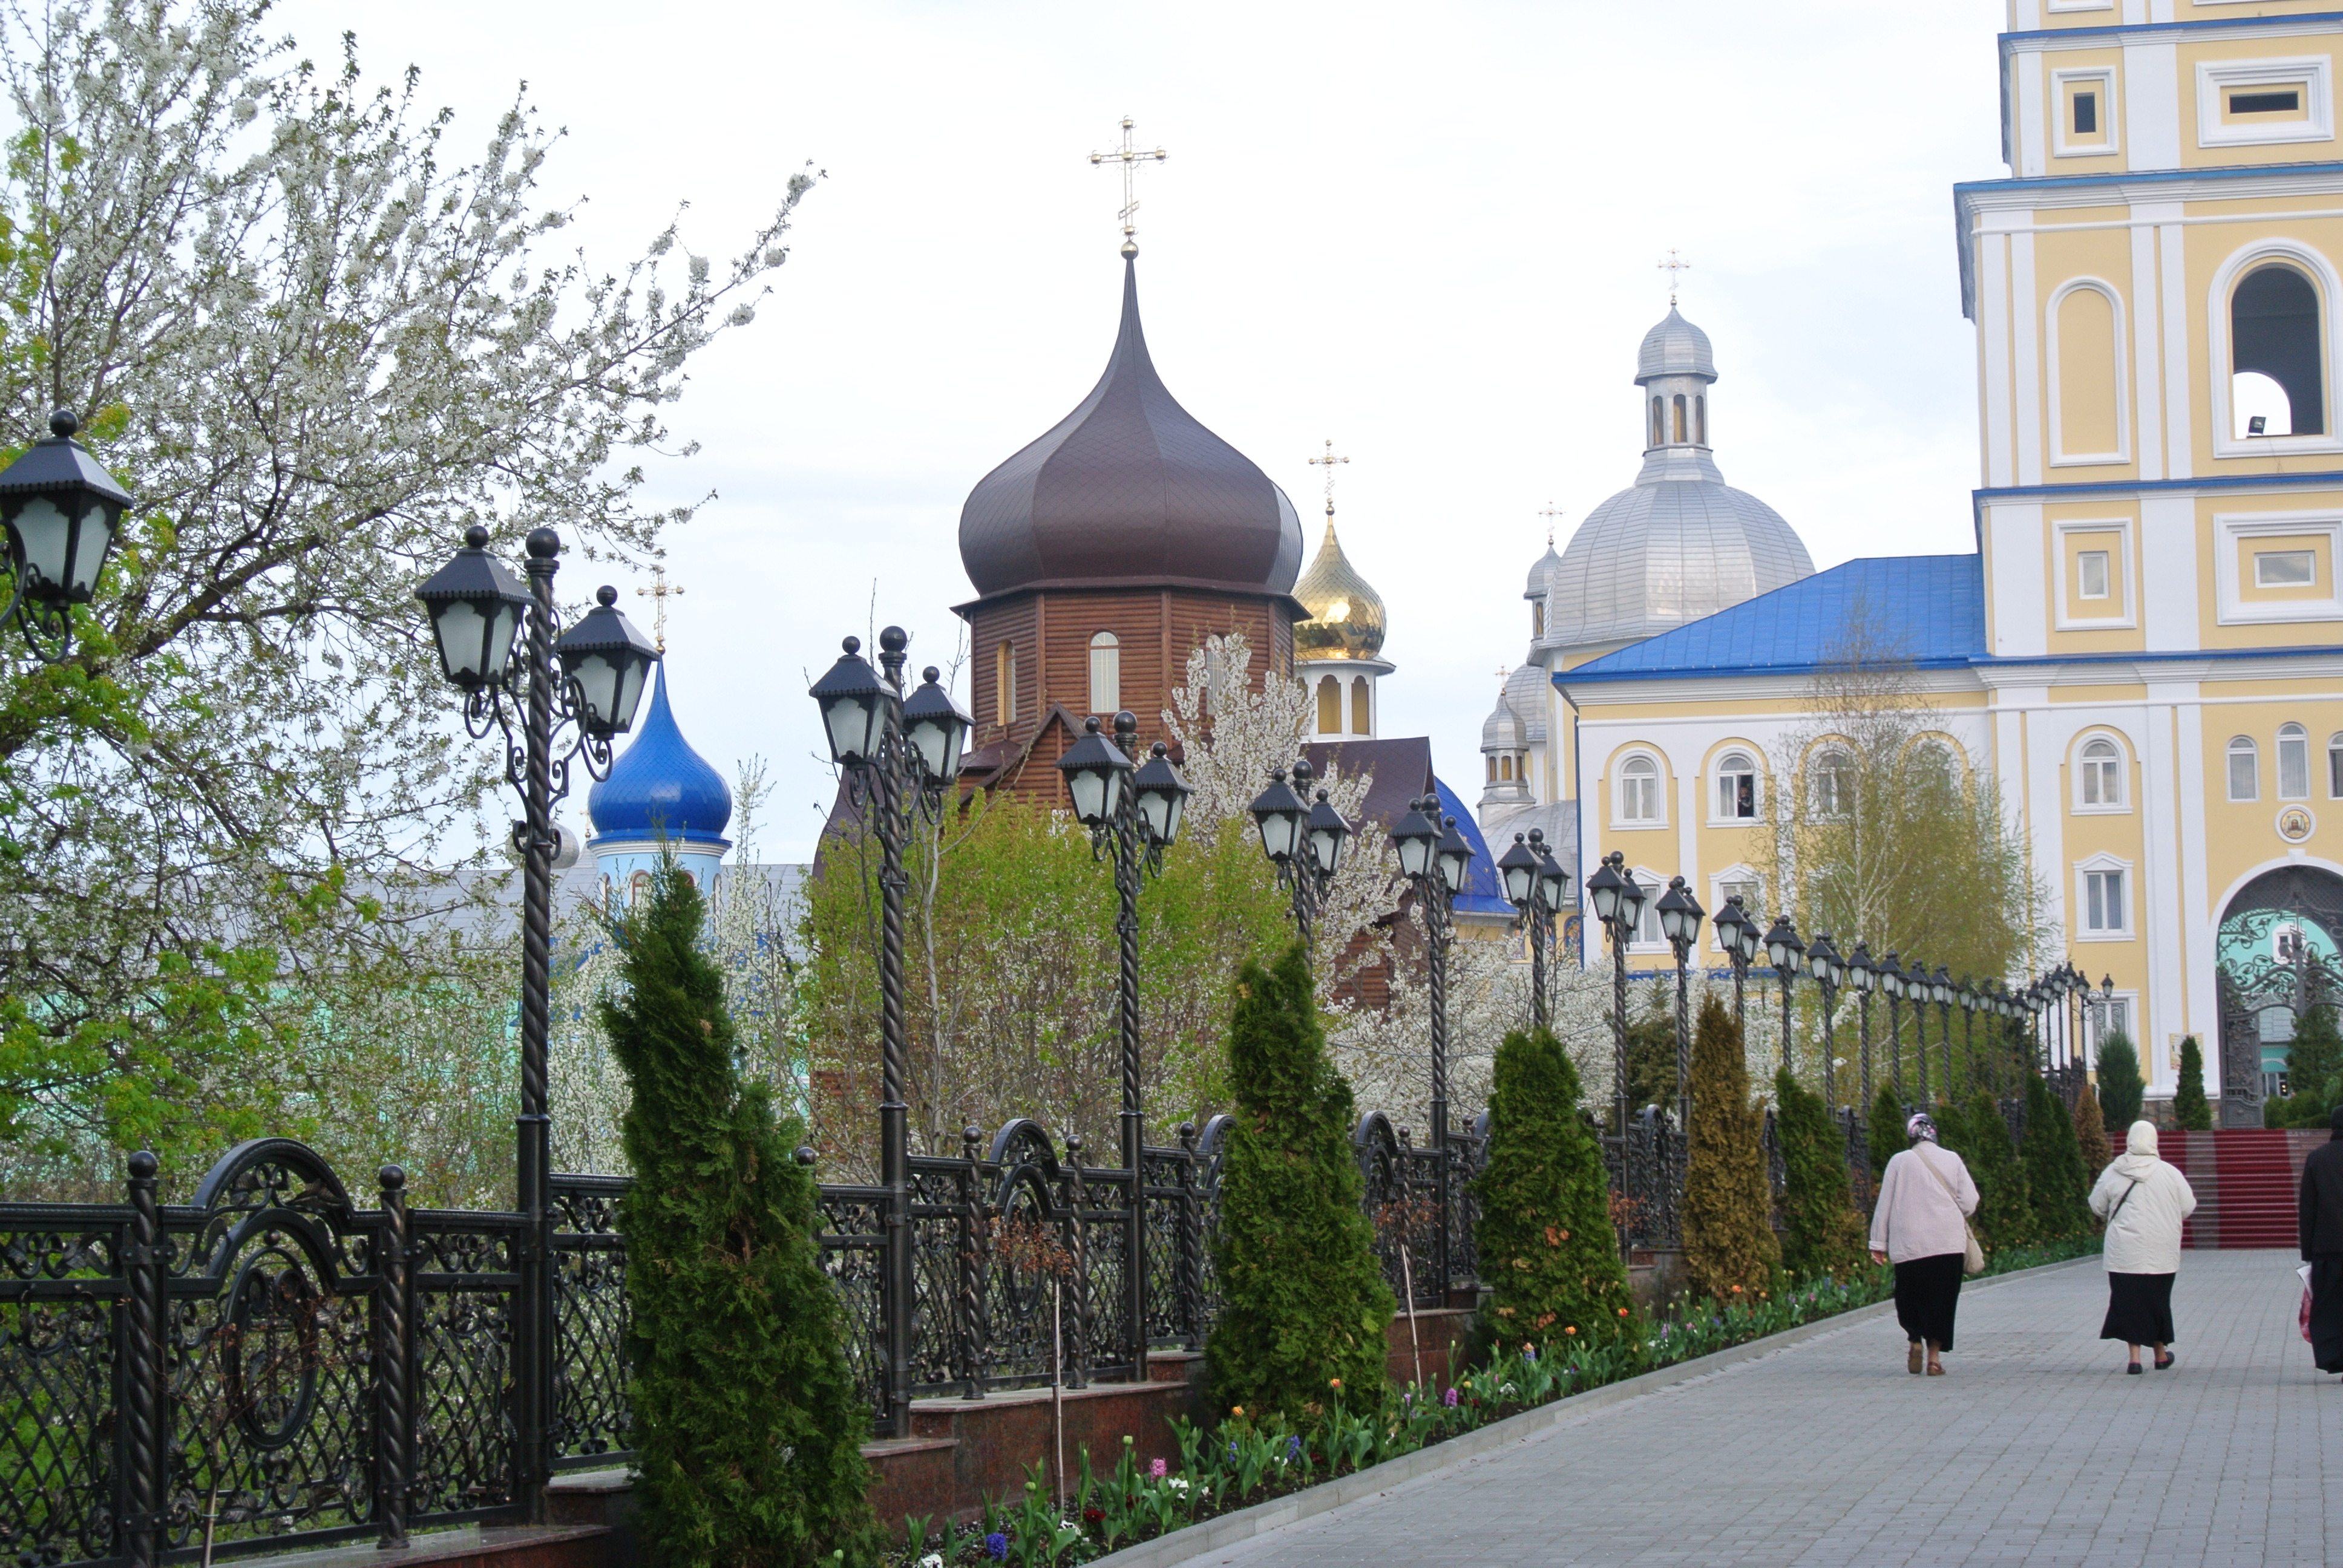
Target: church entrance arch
(2279,953)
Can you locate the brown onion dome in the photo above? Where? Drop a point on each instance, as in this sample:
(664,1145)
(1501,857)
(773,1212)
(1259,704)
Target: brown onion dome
(1346,615)
(1129,490)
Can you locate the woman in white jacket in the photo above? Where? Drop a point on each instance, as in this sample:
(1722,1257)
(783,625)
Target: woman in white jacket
(1920,1224)
(2143,1200)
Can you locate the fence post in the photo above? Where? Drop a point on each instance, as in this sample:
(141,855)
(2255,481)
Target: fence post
(1079,1373)
(1191,1242)
(394,1423)
(145,1442)
(972,1241)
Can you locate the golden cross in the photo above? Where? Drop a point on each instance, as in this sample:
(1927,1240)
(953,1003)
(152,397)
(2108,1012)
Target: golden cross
(1504,674)
(1550,514)
(1328,462)
(1129,157)
(658,593)
(1672,266)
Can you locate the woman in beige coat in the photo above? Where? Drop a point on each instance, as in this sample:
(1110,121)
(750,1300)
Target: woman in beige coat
(2143,1200)
(1920,1224)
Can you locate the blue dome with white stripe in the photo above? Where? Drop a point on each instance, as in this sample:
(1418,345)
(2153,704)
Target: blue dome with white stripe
(661,788)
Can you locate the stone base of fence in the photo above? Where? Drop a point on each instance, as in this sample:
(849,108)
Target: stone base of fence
(475,1546)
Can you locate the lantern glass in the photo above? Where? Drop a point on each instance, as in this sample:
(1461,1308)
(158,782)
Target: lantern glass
(474,647)
(1088,788)
(1455,857)
(1328,832)
(1161,809)
(1278,814)
(1633,895)
(1553,884)
(1416,839)
(1519,868)
(1602,892)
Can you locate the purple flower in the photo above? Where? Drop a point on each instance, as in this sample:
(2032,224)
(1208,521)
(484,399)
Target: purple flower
(1157,1469)
(1293,1448)
(1233,1451)
(1451,1399)
(997,1546)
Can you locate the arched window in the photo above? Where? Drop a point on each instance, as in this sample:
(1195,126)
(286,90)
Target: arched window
(638,890)
(2277,359)
(1329,706)
(2293,763)
(1004,683)
(1659,425)
(1931,766)
(1492,761)
(2245,769)
(2102,774)
(1505,767)
(1639,790)
(1700,418)
(1833,791)
(1106,674)
(2335,767)
(1362,718)
(1737,787)
(1537,618)
(1648,931)
(1679,418)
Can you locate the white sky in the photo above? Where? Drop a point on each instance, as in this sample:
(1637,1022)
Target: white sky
(1428,232)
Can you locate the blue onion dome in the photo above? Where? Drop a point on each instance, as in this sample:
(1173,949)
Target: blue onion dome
(661,788)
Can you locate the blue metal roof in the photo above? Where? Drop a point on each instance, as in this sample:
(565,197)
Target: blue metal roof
(661,788)
(1483,893)
(1935,604)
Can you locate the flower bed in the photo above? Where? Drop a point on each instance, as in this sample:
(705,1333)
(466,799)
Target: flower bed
(1239,1462)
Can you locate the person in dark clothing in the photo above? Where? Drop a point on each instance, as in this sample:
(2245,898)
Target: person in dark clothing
(2321,1220)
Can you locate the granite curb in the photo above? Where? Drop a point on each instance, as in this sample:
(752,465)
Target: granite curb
(1230,1529)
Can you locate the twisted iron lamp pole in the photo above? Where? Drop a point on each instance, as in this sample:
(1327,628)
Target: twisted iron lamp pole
(1890,974)
(1784,950)
(1133,812)
(1823,962)
(1940,990)
(898,756)
(1618,903)
(1736,933)
(1916,986)
(1436,858)
(1303,841)
(581,686)
(1680,917)
(1863,976)
(1537,886)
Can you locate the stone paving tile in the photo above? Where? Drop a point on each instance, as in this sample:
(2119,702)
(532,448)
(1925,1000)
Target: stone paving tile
(2036,1449)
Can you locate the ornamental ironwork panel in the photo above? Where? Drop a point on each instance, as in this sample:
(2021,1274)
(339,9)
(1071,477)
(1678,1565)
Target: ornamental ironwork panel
(591,1408)
(60,1294)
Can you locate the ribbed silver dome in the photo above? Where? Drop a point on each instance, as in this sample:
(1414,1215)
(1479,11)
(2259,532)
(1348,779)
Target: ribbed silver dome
(1526,694)
(1502,731)
(1542,574)
(1675,347)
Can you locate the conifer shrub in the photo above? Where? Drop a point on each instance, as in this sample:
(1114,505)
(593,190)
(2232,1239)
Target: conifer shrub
(2053,1166)
(2191,1112)
(745,1418)
(2314,1070)
(1885,1133)
(1302,1297)
(2005,1215)
(1821,1233)
(1952,1126)
(1651,1051)
(2120,1086)
(1727,1212)
(1545,1240)
(2091,1138)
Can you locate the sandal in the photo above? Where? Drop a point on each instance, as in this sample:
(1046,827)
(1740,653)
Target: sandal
(2163,1361)
(1936,1371)
(2133,1370)
(1911,1362)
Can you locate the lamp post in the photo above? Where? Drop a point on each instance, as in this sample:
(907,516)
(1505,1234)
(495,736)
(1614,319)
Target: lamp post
(61,511)
(1891,980)
(1680,917)
(1823,963)
(1865,978)
(1783,951)
(1618,901)
(1537,885)
(1304,840)
(1436,858)
(1965,994)
(1134,812)
(898,757)
(1916,989)
(1738,934)
(1940,992)
(573,693)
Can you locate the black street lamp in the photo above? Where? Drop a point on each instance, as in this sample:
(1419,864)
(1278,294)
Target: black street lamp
(61,512)
(477,607)
(1618,903)
(1302,840)
(1940,992)
(1891,980)
(898,756)
(1865,978)
(1965,994)
(1133,811)
(1738,934)
(1680,917)
(1823,963)
(1436,858)
(1784,950)
(1537,886)
(1915,991)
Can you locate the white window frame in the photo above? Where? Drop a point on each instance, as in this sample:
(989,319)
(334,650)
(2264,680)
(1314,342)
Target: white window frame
(2334,772)
(2104,78)
(1813,777)
(1659,818)
(2120,610)
(2122,804)
(2233,535)
(1112,666)
(1653,885)
(2312,72)
(2301,736)
(2102,865)
(2059,456)
(2226,442)
(1721,885)
(1717,776)
(2093,1010)
(2228,776)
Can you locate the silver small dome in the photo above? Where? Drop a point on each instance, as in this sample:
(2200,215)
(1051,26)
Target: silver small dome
(1542,574)
(1675,347)
(1502,731)
(1525,690)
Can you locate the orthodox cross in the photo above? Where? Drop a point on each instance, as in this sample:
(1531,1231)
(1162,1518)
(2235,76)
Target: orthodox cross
(658,593)
(1551,513)
(1328,462)
(1129,157)
(1672,266)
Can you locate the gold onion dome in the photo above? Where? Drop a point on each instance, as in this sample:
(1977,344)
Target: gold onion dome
(1346,615)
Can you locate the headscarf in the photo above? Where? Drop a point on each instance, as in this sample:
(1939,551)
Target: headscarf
(2141,1138)
(1920,1127)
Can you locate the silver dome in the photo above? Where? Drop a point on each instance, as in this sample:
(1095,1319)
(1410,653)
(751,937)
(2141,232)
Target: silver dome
(1675,347)
(1526,694)
(1542,574)
(1502,731)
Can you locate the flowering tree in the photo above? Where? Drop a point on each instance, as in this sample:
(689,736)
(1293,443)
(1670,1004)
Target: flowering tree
(314,349)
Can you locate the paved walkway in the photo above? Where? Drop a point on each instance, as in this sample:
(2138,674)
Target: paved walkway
(2036,1449)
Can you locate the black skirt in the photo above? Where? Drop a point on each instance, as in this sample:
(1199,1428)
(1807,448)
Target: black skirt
(2326,1311)
(2139,1309)
(1927,1289)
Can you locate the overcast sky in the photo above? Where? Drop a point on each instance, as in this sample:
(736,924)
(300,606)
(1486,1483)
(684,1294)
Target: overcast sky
(1427,232)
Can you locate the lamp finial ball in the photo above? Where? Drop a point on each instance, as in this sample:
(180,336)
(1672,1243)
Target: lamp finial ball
(606,596)
(1159,750)
(544,544)
(1090,725)
(931,674)
(476,537)
(894,639)
(143,1165)
(64,423)
(1126,722)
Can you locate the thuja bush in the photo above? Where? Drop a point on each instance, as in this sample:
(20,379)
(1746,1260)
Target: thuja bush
(1952,1122)
(2314,1070)
(1821,1235)
(1730,1250)
(2120,1087)
(2091,1139)
(2005,1215)
(1885,1134)
(1548,1253)
(1305,1309)
(2191,1112)
(2054,1165)
(745,1424)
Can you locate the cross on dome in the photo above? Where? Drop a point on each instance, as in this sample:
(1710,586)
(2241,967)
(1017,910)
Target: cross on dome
(1130,158)
(1328,462)
(1672,266)
(658,593)
(1553,516)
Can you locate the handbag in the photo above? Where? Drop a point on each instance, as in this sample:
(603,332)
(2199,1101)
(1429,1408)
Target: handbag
(1972,1255)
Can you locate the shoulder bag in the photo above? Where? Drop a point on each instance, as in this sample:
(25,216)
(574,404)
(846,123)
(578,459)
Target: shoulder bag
(1972,1255)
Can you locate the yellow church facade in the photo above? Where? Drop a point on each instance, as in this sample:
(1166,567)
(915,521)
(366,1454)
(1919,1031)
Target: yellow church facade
(2143,651)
